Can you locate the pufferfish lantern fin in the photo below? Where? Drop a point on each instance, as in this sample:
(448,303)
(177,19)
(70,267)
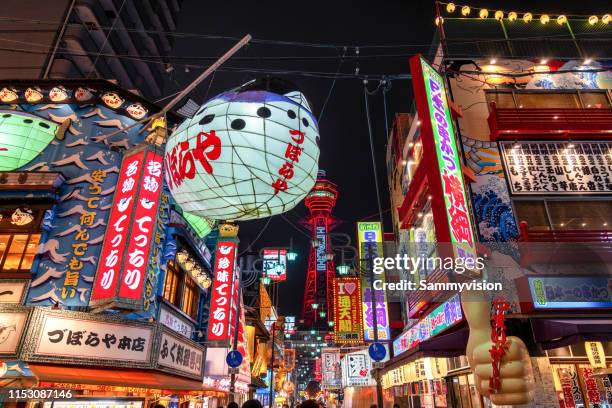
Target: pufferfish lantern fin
(299,98)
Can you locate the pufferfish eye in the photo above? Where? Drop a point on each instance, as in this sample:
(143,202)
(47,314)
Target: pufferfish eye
(291,114)
(238,124)
(305,122)
(264,112)
(207,119)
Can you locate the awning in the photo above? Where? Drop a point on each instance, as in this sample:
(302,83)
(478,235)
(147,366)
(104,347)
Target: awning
(121,378)
(552,333)
(446,345)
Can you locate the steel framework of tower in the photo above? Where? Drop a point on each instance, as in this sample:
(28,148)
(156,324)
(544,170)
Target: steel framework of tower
(320,202)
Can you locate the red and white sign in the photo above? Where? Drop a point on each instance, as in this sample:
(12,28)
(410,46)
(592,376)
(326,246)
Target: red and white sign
(126,248)
(221,300)
(142,229)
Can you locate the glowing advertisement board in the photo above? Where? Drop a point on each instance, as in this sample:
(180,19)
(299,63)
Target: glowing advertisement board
(569,292)
(221,299)
(441,318)
(445,175)
(347,310)
(275,264)
(127,245)
(369,236)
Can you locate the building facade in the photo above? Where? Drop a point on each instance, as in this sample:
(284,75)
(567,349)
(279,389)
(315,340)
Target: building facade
(531,123)
(128,43)
(88,304)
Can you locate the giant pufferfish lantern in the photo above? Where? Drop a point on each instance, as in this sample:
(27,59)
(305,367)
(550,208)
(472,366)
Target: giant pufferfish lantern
(248,153)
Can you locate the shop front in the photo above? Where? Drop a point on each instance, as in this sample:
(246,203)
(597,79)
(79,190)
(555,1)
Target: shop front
(100,358)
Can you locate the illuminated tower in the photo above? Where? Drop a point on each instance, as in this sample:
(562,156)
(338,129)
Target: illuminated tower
(320,202)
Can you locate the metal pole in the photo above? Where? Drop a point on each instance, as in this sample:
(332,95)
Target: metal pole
(245,40)
(272,367)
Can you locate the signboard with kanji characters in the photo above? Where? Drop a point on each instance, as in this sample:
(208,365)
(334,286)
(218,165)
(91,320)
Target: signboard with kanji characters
(347,310)
(332,373)
(558,168)
(80,338)
(439,319)
(180,355)
(596,353)
(441,155)
(369,236)
(220,303)
(275,263)
(570,292)
(356,369)
(248,153)
(128,242)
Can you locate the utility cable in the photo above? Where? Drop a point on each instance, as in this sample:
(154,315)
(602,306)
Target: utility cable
(367,109)
(93,67)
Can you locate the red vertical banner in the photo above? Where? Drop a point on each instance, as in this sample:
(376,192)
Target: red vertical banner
(125,252)
(219,317)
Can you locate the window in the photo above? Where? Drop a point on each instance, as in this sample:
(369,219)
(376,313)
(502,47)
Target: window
(19,238)
(565,214)
(172,284)
(181,290)
(190,298)
(548,99)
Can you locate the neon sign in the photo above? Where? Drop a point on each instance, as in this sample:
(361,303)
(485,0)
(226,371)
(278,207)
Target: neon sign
(218,321)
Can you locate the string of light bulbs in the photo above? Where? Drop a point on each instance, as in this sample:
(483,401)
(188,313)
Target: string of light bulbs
(511,16)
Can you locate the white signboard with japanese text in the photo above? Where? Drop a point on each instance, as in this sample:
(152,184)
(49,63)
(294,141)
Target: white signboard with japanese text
(172,320)
(12,325)
(356,369)
(558,168)
(12,291)
(180,355)
(80,338)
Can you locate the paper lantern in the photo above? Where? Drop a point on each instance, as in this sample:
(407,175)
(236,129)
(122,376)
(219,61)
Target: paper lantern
(248,153)
(22,138)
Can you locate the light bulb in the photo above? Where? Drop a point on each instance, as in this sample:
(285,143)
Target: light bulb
(593,20)
(499,15)
(544,18)
(561,19)
(512,16)
(484,13)
(606,18)
(527,17)
(450,7)
(465,11)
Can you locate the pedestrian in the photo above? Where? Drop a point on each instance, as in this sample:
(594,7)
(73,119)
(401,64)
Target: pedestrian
(310,403)
(233,405)
(252,403)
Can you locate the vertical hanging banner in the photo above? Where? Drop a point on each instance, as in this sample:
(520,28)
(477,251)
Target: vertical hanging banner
(127,243)
(218,321)
(441,156)
(369,237)
(347,310)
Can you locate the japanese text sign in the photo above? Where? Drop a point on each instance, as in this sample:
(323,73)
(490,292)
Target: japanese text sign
(347,310)
(369,236)
(555,168)
(275,264)
(218,321)
(127,245)
(439,142)
(180,355)
(70,337)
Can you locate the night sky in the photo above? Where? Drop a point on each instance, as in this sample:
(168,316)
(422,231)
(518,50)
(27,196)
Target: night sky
(345,152)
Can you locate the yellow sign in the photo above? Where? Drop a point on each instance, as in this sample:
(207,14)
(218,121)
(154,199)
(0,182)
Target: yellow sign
(596,354)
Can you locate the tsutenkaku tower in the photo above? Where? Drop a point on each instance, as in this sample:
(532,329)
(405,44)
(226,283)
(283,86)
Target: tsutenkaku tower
(320,202)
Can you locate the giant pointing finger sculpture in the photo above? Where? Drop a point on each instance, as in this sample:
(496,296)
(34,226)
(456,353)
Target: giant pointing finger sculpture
(248,153)
(515,375)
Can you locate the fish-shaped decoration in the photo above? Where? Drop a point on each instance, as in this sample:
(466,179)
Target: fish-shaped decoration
(112,100)
(33,95)
(83,94)
(58,94)
(137,111)
(8,95)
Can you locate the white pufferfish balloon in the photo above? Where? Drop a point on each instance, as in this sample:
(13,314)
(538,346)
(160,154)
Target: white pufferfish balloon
(248,153)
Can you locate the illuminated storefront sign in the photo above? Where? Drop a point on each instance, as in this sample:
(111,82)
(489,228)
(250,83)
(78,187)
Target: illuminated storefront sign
(369,236)
(440,146)
(554,168)
(596,353)
(561,292)
(180,355)
(275,264)
(356,368)
(441,318)
(222,291)
(60,336)
(347,310)
(127,245)
(321,234)
(332,374)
